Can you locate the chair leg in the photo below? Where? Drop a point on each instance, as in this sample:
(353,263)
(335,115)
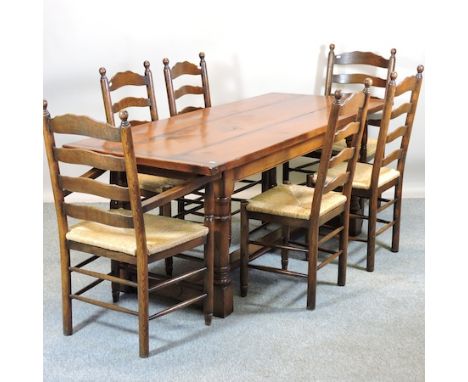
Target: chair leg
(284,252)
(343,258)
(244,250)
(115,269)
(143,319)
(165,210)
(397,218)
(312,272)
(181,209)
(209,277)
(371,228)
(265,181)
(66,289)
(285,172)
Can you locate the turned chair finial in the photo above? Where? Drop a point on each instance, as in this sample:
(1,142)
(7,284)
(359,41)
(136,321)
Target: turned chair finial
(123,115)
(332,46)
(102,72)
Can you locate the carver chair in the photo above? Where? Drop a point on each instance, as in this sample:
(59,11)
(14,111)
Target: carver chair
(338,77)
(312,206)
(371,180)
(187,68)
(130,237)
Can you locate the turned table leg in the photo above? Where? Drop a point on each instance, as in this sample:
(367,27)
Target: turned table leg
(223,295)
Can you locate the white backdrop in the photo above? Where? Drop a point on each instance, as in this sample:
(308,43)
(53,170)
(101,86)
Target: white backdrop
(251,48)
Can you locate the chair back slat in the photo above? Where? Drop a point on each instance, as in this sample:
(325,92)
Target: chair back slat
(188,89)
(98,215)
(130,102)
(338,181)
(358,78)
(343,156)
(186,68)
(89,158)
(393,156)
(402,109)
(94,187)
(399,132)
(81,125)
(408,84)
(386,133)
(123,79)
(350,129)
(127,78)
(357,58)
(361,58)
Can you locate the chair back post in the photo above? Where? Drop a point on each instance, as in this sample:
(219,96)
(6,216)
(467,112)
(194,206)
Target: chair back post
(150,91)
(59,197)
(357,139)
(381,140)
(330,63)
(205,83)
(324,160)
(106,97)
(169,88)
(410,118)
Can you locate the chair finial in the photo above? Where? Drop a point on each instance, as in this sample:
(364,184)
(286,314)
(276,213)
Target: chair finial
(393,51)
(201,55)
(123,115)
(102,72)
(338,96)
(332,46)
(146,64)
(393,76)
(420,70)
(44,108)
(367,84)
(166,61)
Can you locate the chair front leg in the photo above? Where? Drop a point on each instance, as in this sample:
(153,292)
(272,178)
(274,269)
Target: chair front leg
(343,258)
(372,223)
(165,210)
(312,270)
(286,231)
(115,269)
(244,250)
(397,217)
(286,172)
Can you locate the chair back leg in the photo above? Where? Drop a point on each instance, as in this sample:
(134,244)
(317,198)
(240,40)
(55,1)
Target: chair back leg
(244,250)
(66,289)
(312,272)
(397,218)
(371,229)
(343,258)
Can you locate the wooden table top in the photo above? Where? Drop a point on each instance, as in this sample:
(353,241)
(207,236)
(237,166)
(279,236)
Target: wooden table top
(223,137)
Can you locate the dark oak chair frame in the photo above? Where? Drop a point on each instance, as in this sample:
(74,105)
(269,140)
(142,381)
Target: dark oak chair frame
(374,193)
(368,59)
(336,131)
(268,179)
(63,186)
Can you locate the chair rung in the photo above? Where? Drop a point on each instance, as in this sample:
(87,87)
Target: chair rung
(103,276)
(386,205)
(277,270)
(356,238)
(177,279)
(87,261)
(246,187)
(330,235)
(235,212)
(274,245)
(326,250)
(178,306)
(329,259)
(106,305)
(385,227)
(89,286)
(189,257)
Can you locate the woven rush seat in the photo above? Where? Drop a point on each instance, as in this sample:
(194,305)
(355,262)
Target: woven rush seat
(157,184)
(161,233)
(371,146)
(293,201)
(363,173)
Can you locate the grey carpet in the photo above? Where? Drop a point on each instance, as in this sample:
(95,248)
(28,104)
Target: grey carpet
(370,330)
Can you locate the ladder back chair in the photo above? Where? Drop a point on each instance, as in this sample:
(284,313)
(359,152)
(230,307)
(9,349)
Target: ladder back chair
(149,184)
(187,68)
(371,180)
(368,63)
(299,206)
(131,237)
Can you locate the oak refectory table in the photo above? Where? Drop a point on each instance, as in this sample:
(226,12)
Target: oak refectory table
(235,141)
